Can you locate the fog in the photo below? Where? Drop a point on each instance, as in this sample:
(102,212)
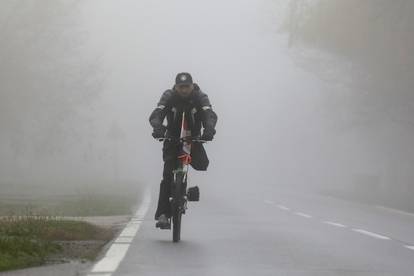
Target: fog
(297,108)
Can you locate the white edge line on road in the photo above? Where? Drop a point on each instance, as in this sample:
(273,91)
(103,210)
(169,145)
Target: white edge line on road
(124,240)
(336,224)
(411,247)
(371,234)
(303,215)
(282,207)
(116,253)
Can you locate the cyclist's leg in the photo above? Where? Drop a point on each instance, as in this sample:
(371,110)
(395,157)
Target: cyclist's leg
(164,206)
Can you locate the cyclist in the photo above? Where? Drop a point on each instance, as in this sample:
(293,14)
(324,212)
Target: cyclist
(186,96)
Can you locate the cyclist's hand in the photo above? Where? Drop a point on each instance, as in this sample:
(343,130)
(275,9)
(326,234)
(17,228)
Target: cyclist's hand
(159,133)
(208,134)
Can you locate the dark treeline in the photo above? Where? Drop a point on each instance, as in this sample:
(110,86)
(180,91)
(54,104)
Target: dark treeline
(45,83)
(373,40)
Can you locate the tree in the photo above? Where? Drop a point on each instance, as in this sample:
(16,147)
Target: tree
(372,42)
(45,79)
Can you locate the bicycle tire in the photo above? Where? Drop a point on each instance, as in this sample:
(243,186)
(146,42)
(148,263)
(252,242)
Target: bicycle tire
(177,212)
(177,227)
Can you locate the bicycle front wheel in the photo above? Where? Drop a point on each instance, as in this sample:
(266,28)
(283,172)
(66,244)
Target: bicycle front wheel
(177,227)
(177,207)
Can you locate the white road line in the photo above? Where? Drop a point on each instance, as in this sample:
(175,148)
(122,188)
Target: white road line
(336,224)
(112,259)
(119,248)
(124,240)
(130,230)
(371,234)
(303,215)
(409,247)
(269,202)
(284,208)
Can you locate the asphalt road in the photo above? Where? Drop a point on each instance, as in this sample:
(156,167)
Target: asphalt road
(274,232)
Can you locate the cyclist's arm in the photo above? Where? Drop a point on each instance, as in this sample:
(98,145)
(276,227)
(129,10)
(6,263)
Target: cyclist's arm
(209,117)
(158,115)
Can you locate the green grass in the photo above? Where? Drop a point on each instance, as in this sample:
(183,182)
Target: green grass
(33,232)
(21,252)
(30,241)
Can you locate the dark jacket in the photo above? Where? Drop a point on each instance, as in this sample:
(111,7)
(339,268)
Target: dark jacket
(199,114)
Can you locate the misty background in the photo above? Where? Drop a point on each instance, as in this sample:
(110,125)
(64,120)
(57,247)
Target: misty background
(310,94)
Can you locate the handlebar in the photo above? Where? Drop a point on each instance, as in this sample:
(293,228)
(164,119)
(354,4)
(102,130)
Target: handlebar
(182,140)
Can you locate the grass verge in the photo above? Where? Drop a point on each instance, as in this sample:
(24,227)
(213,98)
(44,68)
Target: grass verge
(32,241)
(69,205)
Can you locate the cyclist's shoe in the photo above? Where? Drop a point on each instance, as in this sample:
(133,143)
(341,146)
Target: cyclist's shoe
(163,222)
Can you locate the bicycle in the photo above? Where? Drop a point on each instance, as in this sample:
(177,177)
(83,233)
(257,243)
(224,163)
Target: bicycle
(179,193)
